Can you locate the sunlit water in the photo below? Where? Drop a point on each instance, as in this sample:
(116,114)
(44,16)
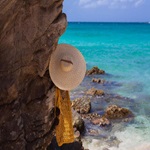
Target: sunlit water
(123,51)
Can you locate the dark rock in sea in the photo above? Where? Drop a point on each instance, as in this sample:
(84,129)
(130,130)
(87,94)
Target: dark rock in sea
(95,92)
(98,80)
(116,112)
(78,122)
(94,70)
(82,105)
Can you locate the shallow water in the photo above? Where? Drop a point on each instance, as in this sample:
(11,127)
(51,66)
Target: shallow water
(123,51)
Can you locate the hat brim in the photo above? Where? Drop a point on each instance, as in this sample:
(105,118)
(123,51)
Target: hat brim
(67,80)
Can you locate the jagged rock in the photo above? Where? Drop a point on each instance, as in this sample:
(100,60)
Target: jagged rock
(29,32)
(82,105)
(98,80)
(95,70)
(95,92)
(116,112)
(90,116)
(103,121)
(78,122)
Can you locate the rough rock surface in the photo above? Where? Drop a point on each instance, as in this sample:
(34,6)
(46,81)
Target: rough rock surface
(78,122)
(82,105)
(90,116)
(29,31)
(98,80)
(95,70)
(103,121)
(116,112)
(95,92)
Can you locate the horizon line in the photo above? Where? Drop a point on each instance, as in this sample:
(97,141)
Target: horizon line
(108,22)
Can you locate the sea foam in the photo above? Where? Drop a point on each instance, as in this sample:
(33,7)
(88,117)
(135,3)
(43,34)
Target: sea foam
(134,137)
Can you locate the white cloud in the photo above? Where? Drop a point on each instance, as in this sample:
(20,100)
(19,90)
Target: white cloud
(139,2)
(110,3)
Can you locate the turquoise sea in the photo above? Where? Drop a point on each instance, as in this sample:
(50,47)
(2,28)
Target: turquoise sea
(123,51)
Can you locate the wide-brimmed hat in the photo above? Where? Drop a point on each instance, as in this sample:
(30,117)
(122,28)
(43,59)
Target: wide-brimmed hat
(67,67)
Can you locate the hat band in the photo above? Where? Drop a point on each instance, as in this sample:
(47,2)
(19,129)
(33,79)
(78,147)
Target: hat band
(68,61)
(66,65)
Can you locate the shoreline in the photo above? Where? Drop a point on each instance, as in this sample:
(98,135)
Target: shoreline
(105,136)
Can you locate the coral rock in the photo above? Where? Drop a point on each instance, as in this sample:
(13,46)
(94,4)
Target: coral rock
(82,105)
(95,70)
(90,116)
(98,80)
(95,92)
(101,121)
(116,112)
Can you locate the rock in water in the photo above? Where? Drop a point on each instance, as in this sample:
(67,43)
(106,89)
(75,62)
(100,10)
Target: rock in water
(103,121)
(116,112)
(98,80)
(82,105)
(95,92)
(78,122)
(95,70)
(29,31)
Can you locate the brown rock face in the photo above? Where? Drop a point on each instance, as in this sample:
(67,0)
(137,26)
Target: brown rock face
(116,112)
(95,70)
(82,105)
(29,31)
(78,122)
(95,92)
(101,121)
(98,80)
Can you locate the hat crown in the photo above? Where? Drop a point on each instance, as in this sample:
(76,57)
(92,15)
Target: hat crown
(66,63)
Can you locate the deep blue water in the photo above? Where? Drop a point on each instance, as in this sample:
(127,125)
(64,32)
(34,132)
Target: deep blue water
(123,51)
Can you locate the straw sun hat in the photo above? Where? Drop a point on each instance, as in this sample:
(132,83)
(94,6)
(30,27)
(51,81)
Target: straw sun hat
(67,67)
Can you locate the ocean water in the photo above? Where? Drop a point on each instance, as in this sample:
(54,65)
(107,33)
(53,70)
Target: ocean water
(123,51)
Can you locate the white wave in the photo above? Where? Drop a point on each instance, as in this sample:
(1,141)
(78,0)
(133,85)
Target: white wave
(135,137)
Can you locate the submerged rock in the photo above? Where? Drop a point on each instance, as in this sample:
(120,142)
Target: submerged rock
(82,105)
(95,92)
(98,80)
(95,70)
(103,121)
(116,112)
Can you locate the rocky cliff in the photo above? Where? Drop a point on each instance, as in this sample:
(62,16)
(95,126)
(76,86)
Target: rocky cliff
(29,32)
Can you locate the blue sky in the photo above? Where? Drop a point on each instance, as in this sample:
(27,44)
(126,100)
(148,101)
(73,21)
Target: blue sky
(107,10)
